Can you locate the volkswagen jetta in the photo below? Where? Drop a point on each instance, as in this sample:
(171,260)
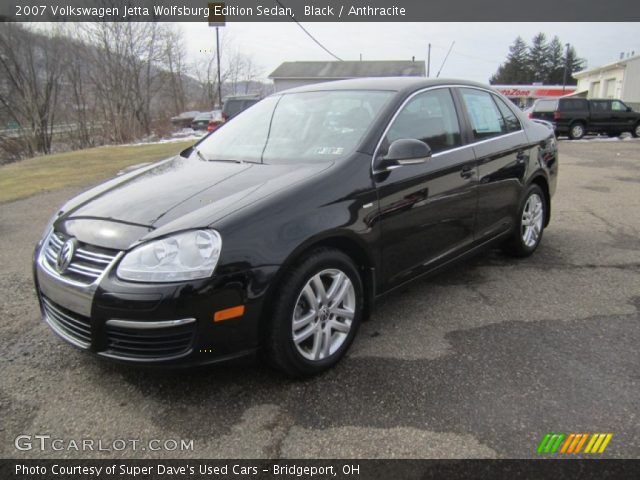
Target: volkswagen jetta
(278,231)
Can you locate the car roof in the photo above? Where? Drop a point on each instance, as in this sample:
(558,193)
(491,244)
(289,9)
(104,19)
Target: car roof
(397,84)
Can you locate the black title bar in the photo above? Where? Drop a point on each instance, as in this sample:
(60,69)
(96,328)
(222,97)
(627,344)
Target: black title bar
(320,10)
(193,469)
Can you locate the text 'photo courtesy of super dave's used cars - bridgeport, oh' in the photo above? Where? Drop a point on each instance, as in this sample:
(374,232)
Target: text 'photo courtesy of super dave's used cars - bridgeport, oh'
(276,232)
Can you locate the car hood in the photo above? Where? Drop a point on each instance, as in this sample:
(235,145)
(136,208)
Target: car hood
(170,192)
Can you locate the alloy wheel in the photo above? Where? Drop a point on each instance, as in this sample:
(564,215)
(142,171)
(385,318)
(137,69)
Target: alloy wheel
(532,217)
(323,314)
(577,131)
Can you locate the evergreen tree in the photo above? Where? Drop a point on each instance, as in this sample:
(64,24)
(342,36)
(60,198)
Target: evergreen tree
(556,62)
(539,58)
(515,69)
(574,64)
(541,62)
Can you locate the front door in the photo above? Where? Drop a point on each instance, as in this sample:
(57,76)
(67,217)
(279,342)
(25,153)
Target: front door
(622,117)
(427,211)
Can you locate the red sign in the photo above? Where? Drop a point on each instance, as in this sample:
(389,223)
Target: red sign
(534,91)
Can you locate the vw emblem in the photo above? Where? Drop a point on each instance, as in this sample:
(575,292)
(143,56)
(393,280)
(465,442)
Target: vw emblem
(65,255)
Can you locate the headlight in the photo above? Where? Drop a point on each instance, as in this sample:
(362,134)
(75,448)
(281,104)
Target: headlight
(185,256)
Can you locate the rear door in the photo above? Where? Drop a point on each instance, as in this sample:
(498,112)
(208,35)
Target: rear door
(601,116)
(502,154)
(427,211)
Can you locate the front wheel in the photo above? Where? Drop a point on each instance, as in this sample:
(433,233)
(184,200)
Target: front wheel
(636,131)
(576,131)
(526,238)
(316,315)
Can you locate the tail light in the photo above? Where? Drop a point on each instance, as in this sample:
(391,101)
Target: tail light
(556,115)
(224,117)
(530,114)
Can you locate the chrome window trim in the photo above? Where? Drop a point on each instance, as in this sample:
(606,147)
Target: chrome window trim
(141,325)
(435,155)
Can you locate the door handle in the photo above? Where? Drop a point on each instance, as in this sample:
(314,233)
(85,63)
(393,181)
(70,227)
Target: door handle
(467,172)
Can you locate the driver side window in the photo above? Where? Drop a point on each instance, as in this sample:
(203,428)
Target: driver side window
(430,117)
(618,106)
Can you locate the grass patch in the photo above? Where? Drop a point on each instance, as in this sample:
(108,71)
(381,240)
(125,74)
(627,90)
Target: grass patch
(78,168)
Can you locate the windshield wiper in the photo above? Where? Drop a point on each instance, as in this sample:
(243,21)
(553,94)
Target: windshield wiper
(202,157)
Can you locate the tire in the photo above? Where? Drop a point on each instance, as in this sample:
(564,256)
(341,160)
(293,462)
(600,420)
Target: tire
(320,321)
(576,131)
(524,241)
(636,131)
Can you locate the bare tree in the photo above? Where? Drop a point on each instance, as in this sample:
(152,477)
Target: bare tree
(125,74)
(174,62)
(31,76)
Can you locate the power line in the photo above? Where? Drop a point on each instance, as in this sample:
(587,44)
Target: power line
(310,36)
(462,54)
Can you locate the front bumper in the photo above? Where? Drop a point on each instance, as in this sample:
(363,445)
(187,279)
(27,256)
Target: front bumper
(154,324)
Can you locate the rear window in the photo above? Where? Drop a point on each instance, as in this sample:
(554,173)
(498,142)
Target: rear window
(232,107)
(545,106)
(572,104)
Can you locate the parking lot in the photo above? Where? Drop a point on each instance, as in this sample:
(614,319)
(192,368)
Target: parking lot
(479,361)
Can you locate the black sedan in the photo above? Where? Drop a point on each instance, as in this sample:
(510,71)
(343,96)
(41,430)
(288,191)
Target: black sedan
(277,232)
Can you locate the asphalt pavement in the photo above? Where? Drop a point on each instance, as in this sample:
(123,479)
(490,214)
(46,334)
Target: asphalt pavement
(478,362)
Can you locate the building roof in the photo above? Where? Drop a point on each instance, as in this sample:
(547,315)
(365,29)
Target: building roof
(608,66)
(349,69)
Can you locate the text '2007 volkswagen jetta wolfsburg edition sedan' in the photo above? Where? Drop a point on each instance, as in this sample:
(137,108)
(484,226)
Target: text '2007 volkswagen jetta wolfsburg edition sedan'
(277,232)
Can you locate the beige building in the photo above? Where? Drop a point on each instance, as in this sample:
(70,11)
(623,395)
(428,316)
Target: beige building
(620,79)
(297,74)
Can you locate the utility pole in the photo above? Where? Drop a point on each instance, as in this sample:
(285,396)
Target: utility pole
(218,59)
(428,60)
(217,20)
(566,64)
(445,58)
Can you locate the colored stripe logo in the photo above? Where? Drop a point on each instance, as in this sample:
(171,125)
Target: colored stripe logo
(573,443)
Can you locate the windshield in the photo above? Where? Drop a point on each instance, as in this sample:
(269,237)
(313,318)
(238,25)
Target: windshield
(297,127)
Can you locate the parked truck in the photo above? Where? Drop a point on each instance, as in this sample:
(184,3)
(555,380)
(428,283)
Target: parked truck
(577,117)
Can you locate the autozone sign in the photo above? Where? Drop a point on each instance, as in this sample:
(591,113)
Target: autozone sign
(533,91)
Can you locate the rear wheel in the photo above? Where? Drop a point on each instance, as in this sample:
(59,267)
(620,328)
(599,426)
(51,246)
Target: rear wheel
(576,131)
(316,315)
(526,238)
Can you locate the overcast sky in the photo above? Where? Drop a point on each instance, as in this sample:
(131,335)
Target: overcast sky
(479,47)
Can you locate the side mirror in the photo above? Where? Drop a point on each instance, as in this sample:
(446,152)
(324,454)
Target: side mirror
(629,109)
(405,151)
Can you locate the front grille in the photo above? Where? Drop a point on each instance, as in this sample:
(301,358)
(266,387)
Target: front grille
(70,325)
(88,261)
(149,343)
